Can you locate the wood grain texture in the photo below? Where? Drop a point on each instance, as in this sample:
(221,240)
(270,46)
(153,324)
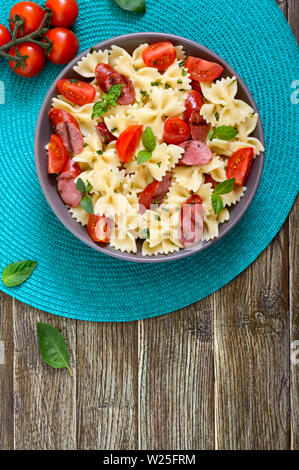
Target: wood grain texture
(294,325)
(44,398)
(6,373)
(251,354)
(107,370)
(176,380)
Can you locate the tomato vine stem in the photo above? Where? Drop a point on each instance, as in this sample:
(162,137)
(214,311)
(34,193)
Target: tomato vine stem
(32,38)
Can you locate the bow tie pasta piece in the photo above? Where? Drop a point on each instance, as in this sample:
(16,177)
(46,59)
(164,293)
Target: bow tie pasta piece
(115,54)
(221,99)
(123,242)
(211,229)
(176,197)
(180,53)
(138,181)
(108,183)
(179,83)
(164,103)
(87,65)
(235,196)
(119,122)
(80,215)
(126,231)
(205,192)
(190,178)
(161,231)
(137,56)
(244,140)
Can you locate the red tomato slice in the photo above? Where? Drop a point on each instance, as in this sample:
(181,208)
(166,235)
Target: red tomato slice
(128,142)
(176,131)
(154,193)
(104,133)
(196,86)
(59,115)
(57,155)
(194,102)
(72,168)
(98,229)
(202,70)
(239,165)
(76,91)
(192,222)
(159,55)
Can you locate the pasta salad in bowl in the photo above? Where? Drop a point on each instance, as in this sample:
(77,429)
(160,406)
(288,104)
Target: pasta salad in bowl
(149,147)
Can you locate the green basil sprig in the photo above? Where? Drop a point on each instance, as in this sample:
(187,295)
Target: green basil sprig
(52,347)
(16,273)
(138,6)
(224,133)
(84,189)
(222,188)
(107,100)
(149,142)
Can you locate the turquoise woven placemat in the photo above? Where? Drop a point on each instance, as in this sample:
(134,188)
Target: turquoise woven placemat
(73,280)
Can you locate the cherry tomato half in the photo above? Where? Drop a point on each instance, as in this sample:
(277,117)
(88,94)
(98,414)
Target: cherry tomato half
(192,221)
(65,12)
(34,63)
(159,55)
(128,142)
(57,155)
(72,168)
(65,45)
(76,91)
(202,70)
(32,13)
(154,193)
(98,229)
(176,131)
(239,165)
(5,35)
(194,102)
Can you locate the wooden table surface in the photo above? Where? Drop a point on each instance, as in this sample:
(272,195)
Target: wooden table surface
(215,375)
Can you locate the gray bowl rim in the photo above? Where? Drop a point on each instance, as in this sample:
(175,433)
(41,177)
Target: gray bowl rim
(64,215)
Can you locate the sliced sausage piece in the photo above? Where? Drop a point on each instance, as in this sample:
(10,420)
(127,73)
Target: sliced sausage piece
(199,127)
(196,154)
(192,222)
(104,133)
(67,128)
(107,77)
(154,193)
(67,186)
(68,191)
(71,137)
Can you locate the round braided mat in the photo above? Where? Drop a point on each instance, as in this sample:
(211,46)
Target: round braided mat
(75,281)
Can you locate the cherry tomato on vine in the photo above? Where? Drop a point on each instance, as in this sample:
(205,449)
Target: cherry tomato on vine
(76,91)
(159,55)
(98,229)
(34,63)
(176,131)
(5,35)
(65,12)
(65,45)
(32,13)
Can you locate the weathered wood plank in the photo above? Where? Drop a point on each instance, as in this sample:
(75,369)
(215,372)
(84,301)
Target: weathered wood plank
(293,16)
(176,380)
(107,359)
(6,373)
(252,354)
(294,318)
(44,398)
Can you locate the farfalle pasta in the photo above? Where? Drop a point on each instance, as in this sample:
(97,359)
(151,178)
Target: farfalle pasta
(151,147)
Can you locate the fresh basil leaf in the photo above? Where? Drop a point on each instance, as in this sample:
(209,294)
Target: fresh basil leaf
(107,100)
(217,203)
(52,347)
(226,132)
(212,135)
(225,187)
(138,6)
(146,233)
(86,204)
(16,273)
(143,156)
(88,187)
(149,139)
(80,185)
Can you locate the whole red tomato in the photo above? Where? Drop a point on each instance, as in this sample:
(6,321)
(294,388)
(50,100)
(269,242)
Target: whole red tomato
(35,62)
(32,13)
(65,45)
(5,35)
(65,12)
